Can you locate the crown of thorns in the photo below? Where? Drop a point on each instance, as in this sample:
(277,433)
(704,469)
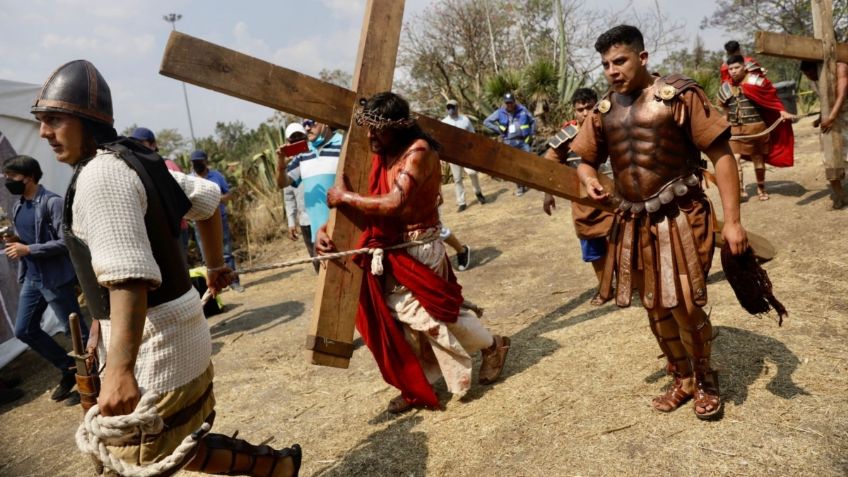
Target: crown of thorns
(370,119)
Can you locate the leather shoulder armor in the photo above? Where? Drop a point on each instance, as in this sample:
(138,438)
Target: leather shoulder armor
(725,92)
(755,80)
(603,106)
(563,136)
(671,86)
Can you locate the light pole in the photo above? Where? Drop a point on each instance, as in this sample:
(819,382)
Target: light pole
(172,19)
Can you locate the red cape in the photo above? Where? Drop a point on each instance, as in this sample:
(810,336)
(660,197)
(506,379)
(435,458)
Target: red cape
(782,138)
(383,335)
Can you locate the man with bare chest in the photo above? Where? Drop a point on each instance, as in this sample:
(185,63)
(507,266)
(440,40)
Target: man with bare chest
(418,288)
(654,129)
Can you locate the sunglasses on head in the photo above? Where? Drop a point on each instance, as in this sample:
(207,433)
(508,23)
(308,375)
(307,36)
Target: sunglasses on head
(308,123)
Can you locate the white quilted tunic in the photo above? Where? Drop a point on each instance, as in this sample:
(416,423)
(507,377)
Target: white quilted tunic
(108,211)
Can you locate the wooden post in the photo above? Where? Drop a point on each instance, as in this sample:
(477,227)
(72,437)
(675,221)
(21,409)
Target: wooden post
(832,141)
(337,298)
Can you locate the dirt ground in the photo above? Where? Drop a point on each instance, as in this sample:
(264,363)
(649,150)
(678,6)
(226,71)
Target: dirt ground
(575,395)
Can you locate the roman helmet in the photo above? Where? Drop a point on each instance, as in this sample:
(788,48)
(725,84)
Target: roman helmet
(76,88)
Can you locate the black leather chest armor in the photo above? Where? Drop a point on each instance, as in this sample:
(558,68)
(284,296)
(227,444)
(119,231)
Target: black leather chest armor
(166,205)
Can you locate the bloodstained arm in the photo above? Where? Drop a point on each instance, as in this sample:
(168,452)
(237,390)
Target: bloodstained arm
(387,204)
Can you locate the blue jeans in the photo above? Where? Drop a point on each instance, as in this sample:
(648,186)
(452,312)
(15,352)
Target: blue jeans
(228,246)
(32,302)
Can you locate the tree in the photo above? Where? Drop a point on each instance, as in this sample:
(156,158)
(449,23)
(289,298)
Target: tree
(471,50)
(170,141)
(337,76)
(793,17)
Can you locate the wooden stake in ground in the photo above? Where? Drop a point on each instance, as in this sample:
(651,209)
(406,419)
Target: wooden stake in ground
(823,49)
(210,66)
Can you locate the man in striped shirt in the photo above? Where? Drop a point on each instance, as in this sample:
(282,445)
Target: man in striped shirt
(316,170)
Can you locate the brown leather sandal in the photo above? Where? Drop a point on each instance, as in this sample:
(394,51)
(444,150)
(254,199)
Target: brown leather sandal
(494,358)
(399,405)
(597,300)
(707,396)
(220,442)
(681,390)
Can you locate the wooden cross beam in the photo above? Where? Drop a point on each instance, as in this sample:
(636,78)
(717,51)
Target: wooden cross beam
(823,49)
(210,66)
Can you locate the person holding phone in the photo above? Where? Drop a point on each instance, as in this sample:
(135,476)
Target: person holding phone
(315,170)
(295,149)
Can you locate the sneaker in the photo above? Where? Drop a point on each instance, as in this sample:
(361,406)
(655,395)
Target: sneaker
(520,191)
(236,287)
(463,259)
(480,198)
(461,208)
(66,384)
(73,399)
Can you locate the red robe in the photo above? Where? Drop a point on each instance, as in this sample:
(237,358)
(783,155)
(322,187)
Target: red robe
(782,138)
(384,336)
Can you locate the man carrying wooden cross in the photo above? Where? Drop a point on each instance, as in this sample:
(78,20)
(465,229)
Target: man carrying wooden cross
(838,113)
(653,129)
(438,334)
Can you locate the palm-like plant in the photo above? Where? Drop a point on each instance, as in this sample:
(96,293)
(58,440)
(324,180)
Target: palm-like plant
(539,84)
(498,85)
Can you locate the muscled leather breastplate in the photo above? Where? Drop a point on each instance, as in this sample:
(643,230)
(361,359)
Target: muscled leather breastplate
(646,146)
(166,203)
(740,109)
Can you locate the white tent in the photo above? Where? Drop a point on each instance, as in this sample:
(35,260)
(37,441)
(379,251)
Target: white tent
(19,135)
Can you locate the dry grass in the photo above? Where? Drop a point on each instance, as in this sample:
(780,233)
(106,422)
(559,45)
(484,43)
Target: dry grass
(575,397)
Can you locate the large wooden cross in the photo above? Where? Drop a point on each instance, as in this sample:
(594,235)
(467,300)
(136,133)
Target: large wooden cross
(204,64)
(823,49)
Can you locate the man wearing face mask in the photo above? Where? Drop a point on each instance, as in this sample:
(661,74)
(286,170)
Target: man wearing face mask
(316,171)
(44,268)
(200,164)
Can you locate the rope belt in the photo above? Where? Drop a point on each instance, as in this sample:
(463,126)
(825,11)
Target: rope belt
(96,430)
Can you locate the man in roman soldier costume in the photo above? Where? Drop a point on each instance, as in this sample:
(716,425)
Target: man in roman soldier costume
(653,129)
(751,104)
(439,331)
(591,225)
(122,224)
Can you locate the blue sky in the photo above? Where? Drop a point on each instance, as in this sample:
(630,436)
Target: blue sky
(125,40)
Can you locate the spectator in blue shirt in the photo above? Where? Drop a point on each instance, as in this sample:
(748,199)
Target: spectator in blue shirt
(316,170)
(515,126)
(44,268)
(200,164)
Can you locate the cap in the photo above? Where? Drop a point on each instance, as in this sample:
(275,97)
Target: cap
(509,98)
(143,134)
(451,102)
(199,156)
(294,128)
